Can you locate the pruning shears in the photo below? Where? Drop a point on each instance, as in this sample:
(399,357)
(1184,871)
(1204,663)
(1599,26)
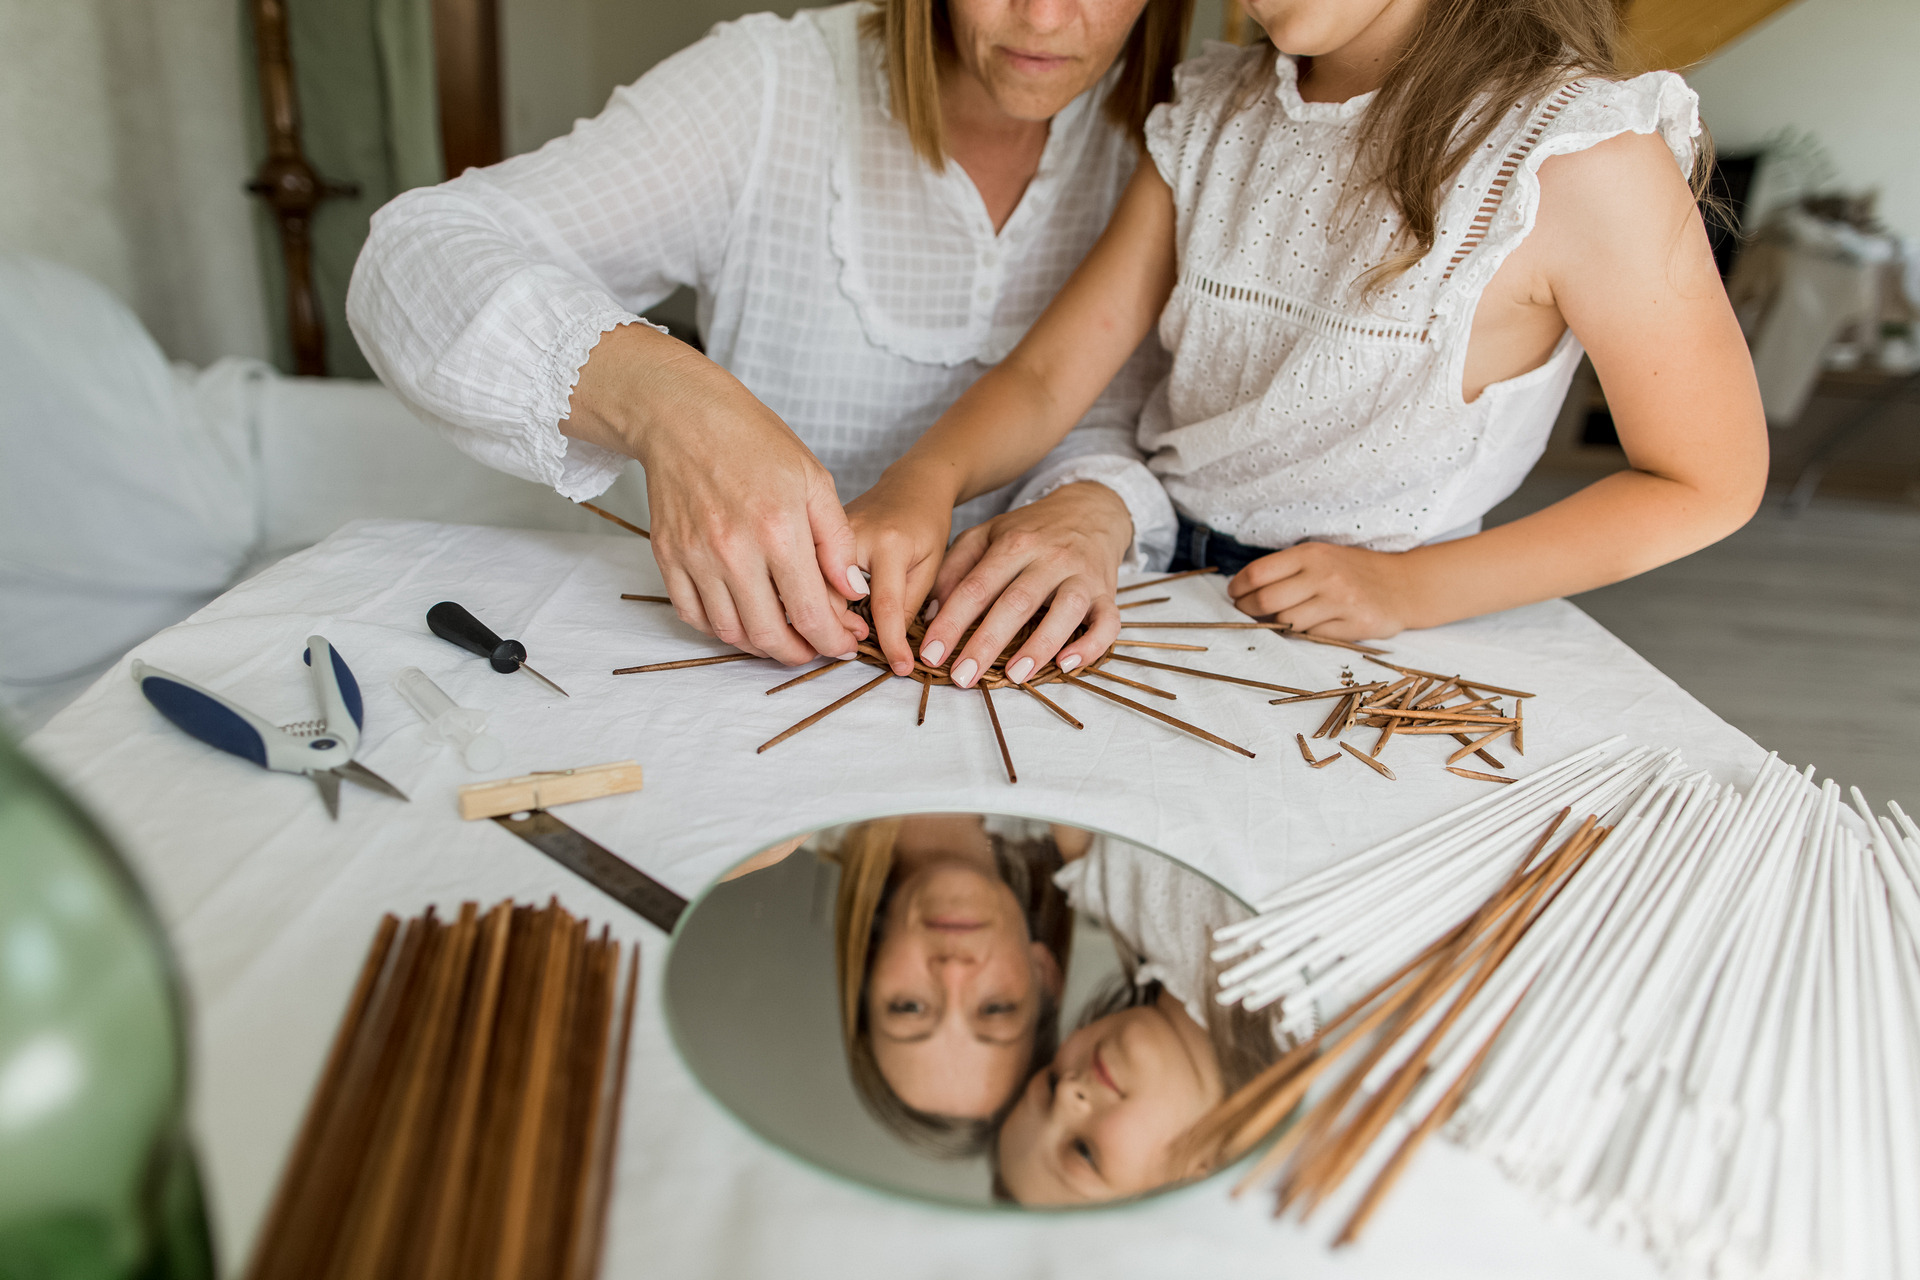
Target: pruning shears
(322,749)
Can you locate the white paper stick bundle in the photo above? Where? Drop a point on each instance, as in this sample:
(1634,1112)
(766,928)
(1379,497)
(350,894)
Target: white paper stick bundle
(1707,1040)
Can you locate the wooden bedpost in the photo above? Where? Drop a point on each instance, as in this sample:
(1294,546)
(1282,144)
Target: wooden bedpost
(289,185)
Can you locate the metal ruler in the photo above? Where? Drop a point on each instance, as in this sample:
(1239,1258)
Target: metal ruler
(598,866)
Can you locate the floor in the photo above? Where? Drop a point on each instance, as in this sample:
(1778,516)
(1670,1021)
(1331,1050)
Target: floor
(1802,631)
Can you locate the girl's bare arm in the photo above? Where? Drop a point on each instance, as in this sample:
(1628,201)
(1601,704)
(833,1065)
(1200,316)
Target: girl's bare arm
(1004,424)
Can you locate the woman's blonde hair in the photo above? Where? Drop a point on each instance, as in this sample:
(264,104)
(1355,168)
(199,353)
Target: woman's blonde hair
(1467,63)
(865,857)
(917,36)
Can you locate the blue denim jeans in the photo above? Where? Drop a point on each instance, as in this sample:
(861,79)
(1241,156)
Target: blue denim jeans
(1198,547)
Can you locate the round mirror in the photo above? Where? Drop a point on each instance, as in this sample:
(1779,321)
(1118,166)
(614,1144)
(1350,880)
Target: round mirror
(971,1008)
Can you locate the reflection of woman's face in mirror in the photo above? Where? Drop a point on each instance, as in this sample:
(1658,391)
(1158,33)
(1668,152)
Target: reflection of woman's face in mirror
(1106,1119)
(955,991)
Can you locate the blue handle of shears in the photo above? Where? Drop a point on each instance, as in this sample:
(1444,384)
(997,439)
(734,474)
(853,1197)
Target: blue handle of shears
(343,678)
(199,713)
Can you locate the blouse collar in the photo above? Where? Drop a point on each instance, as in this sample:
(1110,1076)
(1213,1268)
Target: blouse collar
(1286,73)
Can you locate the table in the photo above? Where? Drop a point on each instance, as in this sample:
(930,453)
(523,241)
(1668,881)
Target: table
(270,905)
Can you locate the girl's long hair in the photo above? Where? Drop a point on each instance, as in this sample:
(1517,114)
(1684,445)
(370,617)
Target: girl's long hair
(1466,65)
(917,36)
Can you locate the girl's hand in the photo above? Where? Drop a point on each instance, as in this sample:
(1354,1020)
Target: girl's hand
(1066,548)
(900,531)
(1343,593)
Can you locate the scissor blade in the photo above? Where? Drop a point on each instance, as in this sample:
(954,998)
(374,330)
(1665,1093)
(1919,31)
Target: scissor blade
(354,771)
(329,783)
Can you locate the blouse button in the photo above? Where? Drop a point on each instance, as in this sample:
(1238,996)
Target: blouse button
(989,259)
(985,294)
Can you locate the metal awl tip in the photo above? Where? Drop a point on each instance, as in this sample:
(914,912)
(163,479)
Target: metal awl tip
(543,680)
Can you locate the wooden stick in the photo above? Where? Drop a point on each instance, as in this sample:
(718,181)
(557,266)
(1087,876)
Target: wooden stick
(1397,1164)
(1408,713)
(1050,704)
(1134,684)
(1337,716)
(628,595)
(1306,752)
(926,687)
(1172,577)
(1477,776)
(1324,762)
(1204,675)
(1493,762)
(684,662)
(1291,634)
(823,712)
(1519,728)
(1006,757)
(548,788)
(1477,686)
(1474,745)
(1135,604)
(270,1254)
(1341,692)
(1160,644)
(608,515)
(817,671)
(1195,730)
(1212,626)
(1368,761)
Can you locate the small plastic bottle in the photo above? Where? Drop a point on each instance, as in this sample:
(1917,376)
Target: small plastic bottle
(447,721)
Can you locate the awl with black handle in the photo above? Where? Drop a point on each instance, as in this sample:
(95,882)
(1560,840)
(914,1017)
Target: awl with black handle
(450,621)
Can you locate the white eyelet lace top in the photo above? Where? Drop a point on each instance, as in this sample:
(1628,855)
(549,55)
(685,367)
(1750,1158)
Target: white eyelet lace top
(1294,408)
(851,288)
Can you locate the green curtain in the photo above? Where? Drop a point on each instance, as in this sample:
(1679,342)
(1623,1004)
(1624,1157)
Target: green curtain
(369,116)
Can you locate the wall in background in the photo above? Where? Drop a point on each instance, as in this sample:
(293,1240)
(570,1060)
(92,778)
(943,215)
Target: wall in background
(125,153)
(1847,71)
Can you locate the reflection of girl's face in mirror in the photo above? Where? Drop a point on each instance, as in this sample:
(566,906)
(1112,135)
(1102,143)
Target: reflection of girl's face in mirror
(955,989)
(1105,1120)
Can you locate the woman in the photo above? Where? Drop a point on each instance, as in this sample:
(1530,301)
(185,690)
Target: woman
(950,949)
(873,203)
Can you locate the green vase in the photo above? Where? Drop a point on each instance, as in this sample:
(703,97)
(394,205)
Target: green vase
(97,1177)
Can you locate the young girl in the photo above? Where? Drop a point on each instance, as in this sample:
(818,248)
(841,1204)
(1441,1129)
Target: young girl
(1108,1117)
(1376,257)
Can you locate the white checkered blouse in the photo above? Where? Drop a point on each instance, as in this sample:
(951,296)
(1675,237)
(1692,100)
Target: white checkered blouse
(850,287)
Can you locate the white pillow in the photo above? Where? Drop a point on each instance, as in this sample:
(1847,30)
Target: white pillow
(123,506)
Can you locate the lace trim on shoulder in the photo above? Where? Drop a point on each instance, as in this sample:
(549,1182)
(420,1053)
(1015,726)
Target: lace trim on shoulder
(1503,178)
(1308,315)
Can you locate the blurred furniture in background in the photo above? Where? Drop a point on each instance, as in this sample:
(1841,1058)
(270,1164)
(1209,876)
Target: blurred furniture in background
(361,99)
(132,492)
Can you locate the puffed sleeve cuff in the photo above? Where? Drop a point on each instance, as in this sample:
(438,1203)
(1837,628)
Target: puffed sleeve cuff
(577,470)
(1154,523)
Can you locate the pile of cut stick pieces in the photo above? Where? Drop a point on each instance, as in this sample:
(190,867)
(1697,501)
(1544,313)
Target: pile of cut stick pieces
(465,1120)
(1686,1011)
(1418,704)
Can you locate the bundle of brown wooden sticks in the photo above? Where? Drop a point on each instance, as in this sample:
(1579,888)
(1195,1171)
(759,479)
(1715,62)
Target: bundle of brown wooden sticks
(1418,704)
(465,1120)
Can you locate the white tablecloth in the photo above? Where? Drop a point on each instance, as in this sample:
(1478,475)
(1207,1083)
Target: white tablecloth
(271,905)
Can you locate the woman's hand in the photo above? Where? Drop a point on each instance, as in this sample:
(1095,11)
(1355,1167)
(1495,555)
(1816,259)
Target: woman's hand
(1343,593)
(747,530)
(1066,548)
(899,532)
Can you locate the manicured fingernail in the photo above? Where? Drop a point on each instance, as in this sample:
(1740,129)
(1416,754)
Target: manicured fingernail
(849,657)
(964,673)
(903,668)
(1020,670)
(1069,662)
(927,614)
(856,579)
(932,654)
